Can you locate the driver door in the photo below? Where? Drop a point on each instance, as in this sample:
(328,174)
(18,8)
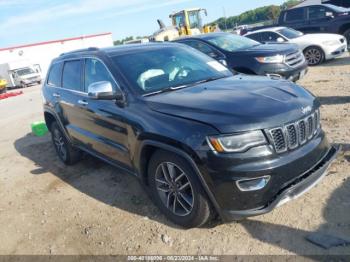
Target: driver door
(104,121)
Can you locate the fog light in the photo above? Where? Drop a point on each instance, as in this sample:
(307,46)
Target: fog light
(253,184)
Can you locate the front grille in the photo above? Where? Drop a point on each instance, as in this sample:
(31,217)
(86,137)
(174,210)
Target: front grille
(293,135)
(295,59)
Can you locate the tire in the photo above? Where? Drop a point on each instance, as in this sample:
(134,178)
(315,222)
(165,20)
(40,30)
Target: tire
(65,151)
(314,55)
(3,91)
(347,36)
(192,207)
(23,85)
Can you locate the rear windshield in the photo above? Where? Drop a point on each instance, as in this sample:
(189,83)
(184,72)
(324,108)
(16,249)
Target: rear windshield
(231,42)
(156,69)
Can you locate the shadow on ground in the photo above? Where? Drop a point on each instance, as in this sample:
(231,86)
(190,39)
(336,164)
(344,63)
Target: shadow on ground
(92,177)
(340,61)
(334,100)
(109,185)
(337,223)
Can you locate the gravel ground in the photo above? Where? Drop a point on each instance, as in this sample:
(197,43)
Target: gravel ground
(92,208)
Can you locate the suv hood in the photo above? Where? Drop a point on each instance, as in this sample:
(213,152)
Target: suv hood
(238,103)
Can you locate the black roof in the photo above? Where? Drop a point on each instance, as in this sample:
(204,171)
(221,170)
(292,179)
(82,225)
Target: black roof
(115,50)
(201,36)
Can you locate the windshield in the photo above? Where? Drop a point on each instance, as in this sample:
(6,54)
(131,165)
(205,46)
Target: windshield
(158,69)
(25,71)
(290,33)
(231,42)
(337,9)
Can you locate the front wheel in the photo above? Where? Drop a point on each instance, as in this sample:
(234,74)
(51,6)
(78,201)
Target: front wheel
(65,151)
(314,55)
(177,191)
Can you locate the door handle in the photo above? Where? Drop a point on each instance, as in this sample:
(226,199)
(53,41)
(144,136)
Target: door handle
(82,102)
(57,95)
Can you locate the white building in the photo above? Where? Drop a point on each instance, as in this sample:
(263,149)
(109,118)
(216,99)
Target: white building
(42,53)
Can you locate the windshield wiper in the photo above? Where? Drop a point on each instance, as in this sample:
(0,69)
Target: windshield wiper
(172,88)
(208,80)
(168,89)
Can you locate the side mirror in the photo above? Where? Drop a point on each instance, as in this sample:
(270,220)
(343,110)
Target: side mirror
(329,14)
(213,55)
(104,91)
(280,40)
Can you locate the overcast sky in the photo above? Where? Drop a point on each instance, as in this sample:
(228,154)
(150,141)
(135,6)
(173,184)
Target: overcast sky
(30,21)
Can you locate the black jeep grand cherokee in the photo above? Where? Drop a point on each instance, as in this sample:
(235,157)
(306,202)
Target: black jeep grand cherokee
(202,140)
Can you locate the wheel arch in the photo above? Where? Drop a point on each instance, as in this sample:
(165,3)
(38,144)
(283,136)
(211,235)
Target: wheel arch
(314,45)
(148,147)
(344,28)
(51,117)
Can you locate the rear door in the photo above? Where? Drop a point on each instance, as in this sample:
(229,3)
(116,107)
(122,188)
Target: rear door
(319,18)
(70,96)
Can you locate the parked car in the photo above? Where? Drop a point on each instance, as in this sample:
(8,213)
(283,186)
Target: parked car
(246,56)
(201,140)
(317,48)
(323,18)
(20,74)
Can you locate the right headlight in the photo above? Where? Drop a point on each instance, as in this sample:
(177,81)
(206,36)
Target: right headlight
(237,142)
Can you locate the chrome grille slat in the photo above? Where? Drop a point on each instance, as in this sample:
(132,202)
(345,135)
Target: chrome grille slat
(279,140)
(295,59)
(294,135)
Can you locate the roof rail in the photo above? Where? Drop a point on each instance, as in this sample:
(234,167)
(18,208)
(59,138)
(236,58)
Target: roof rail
(81,50)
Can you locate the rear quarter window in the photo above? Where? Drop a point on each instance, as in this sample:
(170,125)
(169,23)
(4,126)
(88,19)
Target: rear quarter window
(54,77)
(72,75)
(294,15)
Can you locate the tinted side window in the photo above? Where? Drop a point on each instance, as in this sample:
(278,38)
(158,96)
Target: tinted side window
(204,48)
(269,37)
(256,37)
(72,75)
(96,71)
(55,73)
(294,15)
(317,12)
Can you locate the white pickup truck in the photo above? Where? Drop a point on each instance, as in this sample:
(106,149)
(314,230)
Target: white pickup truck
(20,74)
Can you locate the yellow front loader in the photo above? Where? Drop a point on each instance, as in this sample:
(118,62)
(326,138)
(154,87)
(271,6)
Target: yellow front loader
(184,22)
(3,84)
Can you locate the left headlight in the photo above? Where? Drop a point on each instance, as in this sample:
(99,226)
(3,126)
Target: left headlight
(271,59)
(238,142)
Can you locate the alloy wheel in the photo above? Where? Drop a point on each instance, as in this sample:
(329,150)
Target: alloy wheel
(313,56)
(60,144)
(174,188)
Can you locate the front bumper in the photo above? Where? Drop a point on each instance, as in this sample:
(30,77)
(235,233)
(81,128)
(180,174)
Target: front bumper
(334,52)
(291,174)
(285,71)
(293,190)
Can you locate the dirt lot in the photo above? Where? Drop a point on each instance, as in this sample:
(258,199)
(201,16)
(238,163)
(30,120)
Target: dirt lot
(92,208)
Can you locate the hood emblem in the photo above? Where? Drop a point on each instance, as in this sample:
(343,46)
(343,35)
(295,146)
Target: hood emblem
(306,110)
